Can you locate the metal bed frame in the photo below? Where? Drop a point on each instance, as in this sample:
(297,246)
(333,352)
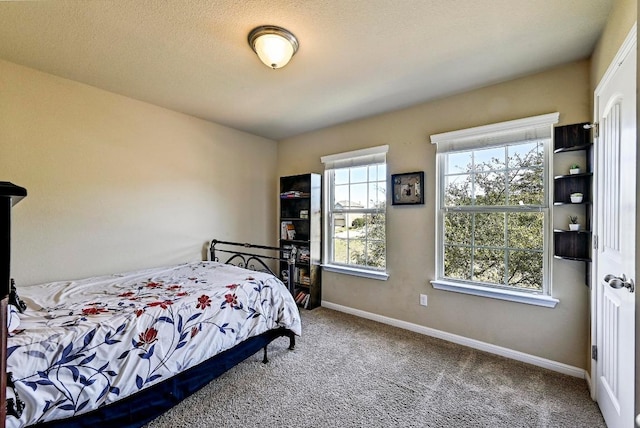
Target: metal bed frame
(252,261)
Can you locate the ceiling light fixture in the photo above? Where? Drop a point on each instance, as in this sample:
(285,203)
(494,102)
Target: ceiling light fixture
(274,45)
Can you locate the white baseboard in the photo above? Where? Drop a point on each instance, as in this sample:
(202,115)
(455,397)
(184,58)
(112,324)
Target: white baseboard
(587,378)
(461,340)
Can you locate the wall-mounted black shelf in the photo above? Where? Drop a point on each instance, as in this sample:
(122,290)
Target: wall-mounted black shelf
(563,149)
(570,244)
(565,185)
(577,259)
(581,174)
(571,231)
(571,203)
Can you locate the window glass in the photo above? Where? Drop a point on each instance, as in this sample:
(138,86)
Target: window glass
(493,208)
(357,231)
(341,176)
(359,174)
(457,262)
(489,159)
(459,162)
(519,226)
(489,188)
(458,190)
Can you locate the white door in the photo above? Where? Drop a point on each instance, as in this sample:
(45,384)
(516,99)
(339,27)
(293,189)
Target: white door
(614,261)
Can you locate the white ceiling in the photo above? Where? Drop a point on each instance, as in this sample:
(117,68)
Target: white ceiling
(357,58)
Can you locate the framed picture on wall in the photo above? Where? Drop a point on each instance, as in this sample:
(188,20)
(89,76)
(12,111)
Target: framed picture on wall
(408,188)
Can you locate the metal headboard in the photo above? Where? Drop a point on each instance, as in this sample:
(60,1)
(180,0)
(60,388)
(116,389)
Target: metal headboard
(241,257)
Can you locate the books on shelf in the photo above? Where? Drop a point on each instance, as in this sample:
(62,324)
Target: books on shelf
(294,194)
(286,251)
(304,255)
(301,276)
(302,299)
(287,230)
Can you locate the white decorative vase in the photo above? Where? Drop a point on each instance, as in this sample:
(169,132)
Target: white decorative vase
(576,198)
(574,171)
(574,227)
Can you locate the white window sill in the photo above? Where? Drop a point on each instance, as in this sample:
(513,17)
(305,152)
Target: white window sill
(494,293)
(365,273)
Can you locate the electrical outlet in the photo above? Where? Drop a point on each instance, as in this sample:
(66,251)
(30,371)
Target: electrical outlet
(423,299)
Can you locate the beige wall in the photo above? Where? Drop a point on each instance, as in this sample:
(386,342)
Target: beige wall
(116,184)
(558,334)
(621,18)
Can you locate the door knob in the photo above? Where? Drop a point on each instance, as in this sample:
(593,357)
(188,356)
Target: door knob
(619,282)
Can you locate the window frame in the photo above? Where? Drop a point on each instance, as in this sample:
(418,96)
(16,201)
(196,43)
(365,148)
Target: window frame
(352,159)
(483,137)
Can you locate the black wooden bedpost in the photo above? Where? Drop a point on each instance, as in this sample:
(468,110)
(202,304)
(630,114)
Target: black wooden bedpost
(5,262)
(10,194)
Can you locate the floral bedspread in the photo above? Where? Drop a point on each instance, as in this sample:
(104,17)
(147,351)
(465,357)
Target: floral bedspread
(87,343)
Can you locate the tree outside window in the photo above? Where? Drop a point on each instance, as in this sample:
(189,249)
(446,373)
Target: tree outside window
(493,215)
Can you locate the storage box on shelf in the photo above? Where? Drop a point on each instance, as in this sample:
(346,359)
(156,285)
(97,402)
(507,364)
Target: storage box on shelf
(300,227)
(574,190)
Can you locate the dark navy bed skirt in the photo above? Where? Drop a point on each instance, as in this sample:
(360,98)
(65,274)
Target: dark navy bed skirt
(144,406)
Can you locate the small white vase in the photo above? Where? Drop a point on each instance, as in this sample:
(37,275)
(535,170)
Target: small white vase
(574,227)
(576,198)
(574,171)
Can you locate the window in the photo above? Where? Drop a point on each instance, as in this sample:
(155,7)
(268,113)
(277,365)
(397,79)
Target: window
(355,204)
(493,210)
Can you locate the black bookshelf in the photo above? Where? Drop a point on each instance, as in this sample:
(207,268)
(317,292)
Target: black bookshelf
(300,227)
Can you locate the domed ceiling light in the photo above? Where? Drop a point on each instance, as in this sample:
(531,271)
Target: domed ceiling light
(274,45)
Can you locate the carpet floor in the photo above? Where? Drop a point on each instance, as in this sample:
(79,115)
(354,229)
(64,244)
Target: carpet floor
(352,372)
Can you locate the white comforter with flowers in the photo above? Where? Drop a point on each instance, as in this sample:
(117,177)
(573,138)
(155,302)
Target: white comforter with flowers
(87,343)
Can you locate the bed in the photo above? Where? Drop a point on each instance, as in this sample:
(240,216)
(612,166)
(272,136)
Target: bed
(121,349)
